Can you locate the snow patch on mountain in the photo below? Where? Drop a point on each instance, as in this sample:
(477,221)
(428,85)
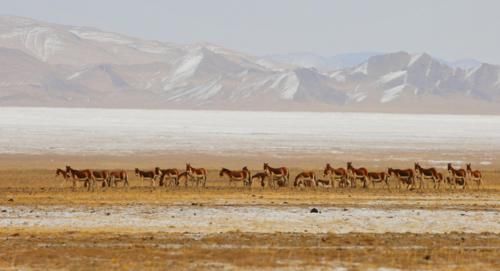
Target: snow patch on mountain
(200,92)
(363,68)
(150,48)
(392,76)
(75,75)
(55,59)
(40,41)
(414,59)
(392,93)
(338,75)
(186,68)
(103,37)
(290,87)
(471,72)
(357,95)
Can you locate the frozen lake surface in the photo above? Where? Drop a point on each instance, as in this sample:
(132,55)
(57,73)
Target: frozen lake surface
(120,131)
(264,219)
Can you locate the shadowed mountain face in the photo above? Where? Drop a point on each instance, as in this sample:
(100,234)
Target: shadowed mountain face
(54,65)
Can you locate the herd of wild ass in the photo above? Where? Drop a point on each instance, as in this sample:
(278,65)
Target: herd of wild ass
(280,176)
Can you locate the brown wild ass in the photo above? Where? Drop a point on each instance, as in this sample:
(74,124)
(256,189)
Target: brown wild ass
(475,175)
(184,175)
(170,174)
(306,178)
(64,174)
(281,173)
(357,174)
(101,176)
(403,176)
(378,177)
(243,176)
(440,178)
(197,174)
(84,176)
(458,176)
(118,175)
(339,174)
(145,175)
(426,174)
(261,176)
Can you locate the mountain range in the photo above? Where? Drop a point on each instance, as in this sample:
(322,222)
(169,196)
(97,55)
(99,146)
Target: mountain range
(44,64)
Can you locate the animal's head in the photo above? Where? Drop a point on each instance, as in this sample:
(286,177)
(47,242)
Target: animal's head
(349,164)
(449,166)
(469,166)
(245,168)
(266,165)
(68,168)
(327,168)
(221,172)
(417,166)
(157,170)
(390,170)
(136,172)
(188,166)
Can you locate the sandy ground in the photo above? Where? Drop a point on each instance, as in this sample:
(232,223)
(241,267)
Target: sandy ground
(45,224)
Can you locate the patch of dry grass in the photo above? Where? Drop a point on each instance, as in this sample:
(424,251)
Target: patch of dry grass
(41,187)
(105,251)
(100,250)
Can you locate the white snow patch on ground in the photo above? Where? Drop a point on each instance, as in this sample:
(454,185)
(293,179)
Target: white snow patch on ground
(391,94)
(444,163)
(95,131)
(262,219)
(391,76)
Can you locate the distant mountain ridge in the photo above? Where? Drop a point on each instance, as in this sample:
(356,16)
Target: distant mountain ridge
(309,60)
(47,64)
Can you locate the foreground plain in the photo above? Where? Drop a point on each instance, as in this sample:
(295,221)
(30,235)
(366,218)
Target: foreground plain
(224,241)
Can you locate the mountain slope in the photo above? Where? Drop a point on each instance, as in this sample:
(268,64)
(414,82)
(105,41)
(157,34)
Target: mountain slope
(55,65)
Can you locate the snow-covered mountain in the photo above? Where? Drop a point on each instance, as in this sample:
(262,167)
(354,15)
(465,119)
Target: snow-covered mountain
(46,64)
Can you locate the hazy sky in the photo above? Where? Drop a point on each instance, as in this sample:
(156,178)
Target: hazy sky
(451,29)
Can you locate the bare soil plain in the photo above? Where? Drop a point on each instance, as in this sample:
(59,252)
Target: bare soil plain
(45,224)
